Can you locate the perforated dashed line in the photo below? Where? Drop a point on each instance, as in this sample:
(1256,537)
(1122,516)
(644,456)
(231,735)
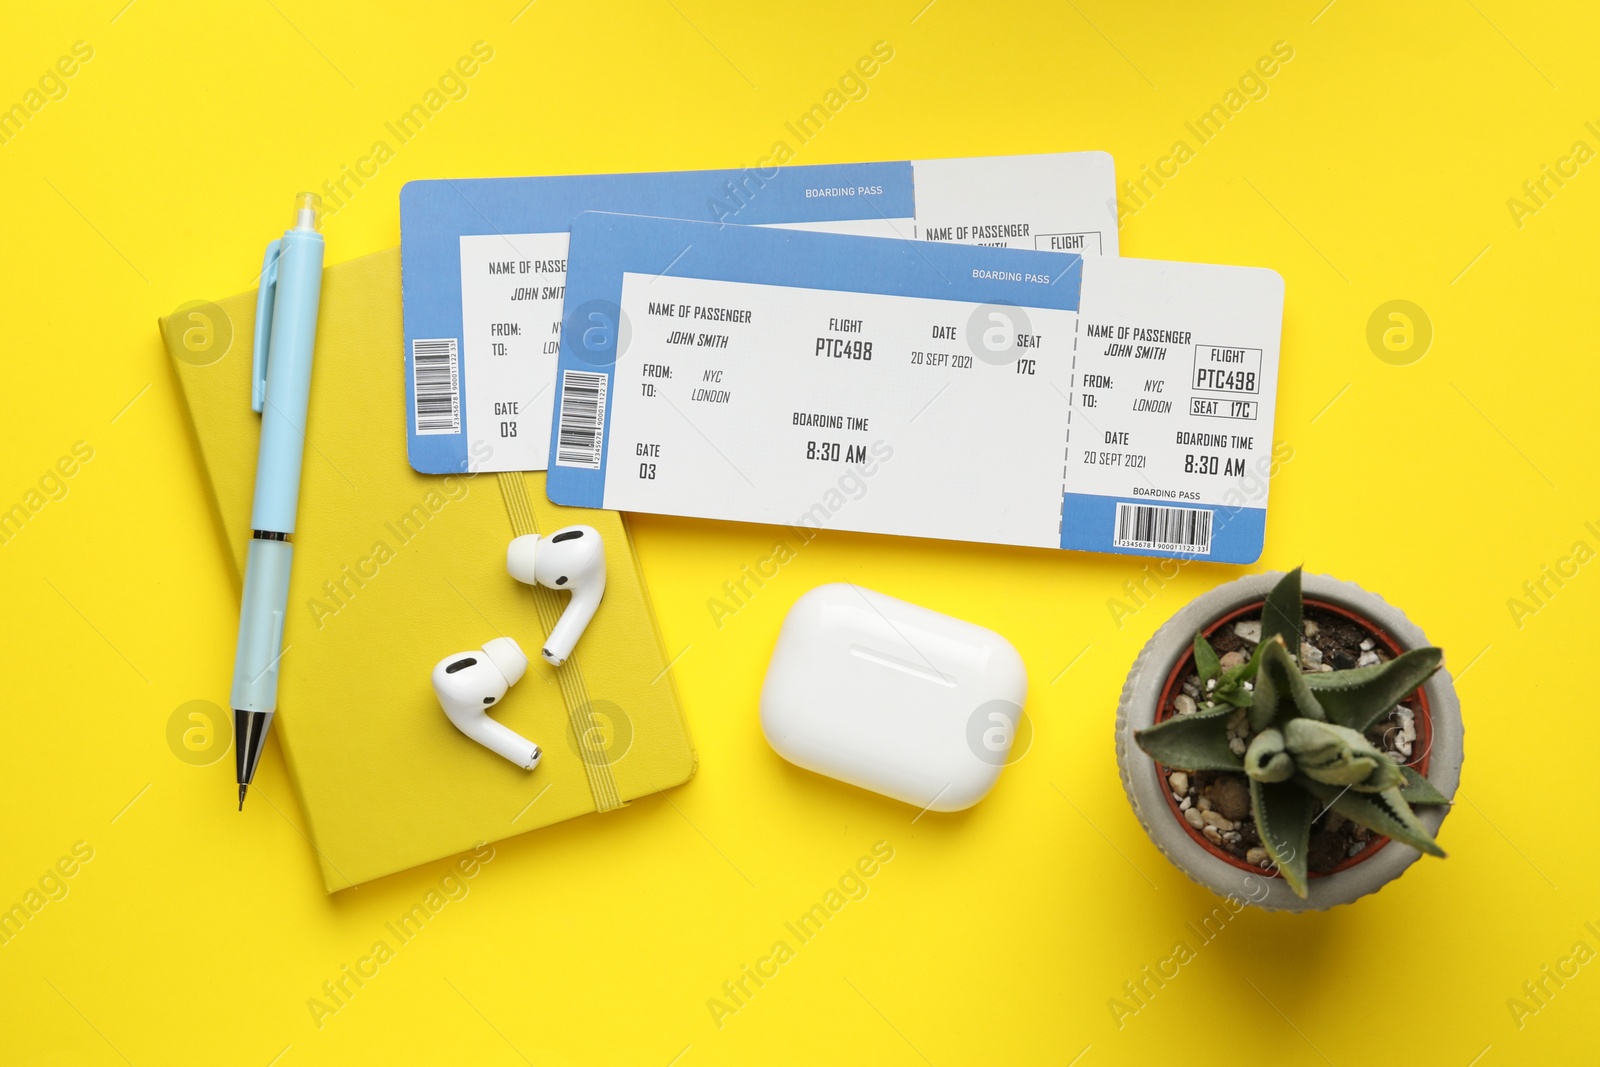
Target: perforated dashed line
(1066,449)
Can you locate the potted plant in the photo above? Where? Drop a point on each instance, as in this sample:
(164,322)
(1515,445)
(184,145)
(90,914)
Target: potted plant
(1295,747)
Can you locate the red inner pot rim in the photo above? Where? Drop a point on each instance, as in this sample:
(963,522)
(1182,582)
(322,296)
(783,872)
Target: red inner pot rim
(1418,701)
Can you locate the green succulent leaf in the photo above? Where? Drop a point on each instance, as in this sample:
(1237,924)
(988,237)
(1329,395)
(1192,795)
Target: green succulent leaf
(1357,698)
(1283,819)
(1418,790)
(1386,813)
(1281,689)
(1280,615)
(1264,698)
(1337,755)
(1206,662)
(1238,698)
(1193,742)
(1265,760)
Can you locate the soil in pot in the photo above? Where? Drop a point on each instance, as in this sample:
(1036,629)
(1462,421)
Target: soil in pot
(1215,805)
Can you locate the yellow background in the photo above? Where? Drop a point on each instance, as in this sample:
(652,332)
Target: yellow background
(1377,167)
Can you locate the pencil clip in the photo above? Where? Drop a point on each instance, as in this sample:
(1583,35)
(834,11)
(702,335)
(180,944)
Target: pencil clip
(265,295)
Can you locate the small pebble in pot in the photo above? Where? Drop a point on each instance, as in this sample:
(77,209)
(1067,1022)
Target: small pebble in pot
(1205,803)
(1249,630)
(1193,816)
(1231,797)
(1179,780)
(1237,746)
(1311,628)
(1257,856)
(1217,819)
(1212,835)
(1185,705)
(1232,659)
(1366,645)
(1368,659)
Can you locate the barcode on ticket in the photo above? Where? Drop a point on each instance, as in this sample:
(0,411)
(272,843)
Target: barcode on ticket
(436,385)
(582,419)
(1163,529)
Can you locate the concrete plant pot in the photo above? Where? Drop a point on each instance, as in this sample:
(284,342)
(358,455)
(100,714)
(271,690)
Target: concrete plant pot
(1168,656)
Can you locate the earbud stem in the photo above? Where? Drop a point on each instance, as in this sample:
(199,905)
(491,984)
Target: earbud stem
(574,620)
(501,739)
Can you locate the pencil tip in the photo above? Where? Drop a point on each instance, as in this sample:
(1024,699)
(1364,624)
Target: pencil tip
(242,788)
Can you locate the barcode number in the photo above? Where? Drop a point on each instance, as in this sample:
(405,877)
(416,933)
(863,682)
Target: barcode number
(436,386)
(1163,529)
(582,421)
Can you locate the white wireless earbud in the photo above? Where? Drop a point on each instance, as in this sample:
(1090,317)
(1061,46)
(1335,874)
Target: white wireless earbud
(571,558)
(469,683)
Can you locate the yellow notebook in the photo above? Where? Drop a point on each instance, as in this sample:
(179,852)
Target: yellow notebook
(393,571)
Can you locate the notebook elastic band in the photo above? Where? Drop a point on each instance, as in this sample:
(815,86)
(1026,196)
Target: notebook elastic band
(569,676)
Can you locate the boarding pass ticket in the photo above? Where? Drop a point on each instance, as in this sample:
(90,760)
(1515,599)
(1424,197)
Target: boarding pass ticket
(931,390)
(483,265)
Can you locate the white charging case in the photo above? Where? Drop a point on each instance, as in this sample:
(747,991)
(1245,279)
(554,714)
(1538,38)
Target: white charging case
(893,697)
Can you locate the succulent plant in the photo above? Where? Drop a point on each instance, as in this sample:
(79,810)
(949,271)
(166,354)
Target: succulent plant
(1307,750)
